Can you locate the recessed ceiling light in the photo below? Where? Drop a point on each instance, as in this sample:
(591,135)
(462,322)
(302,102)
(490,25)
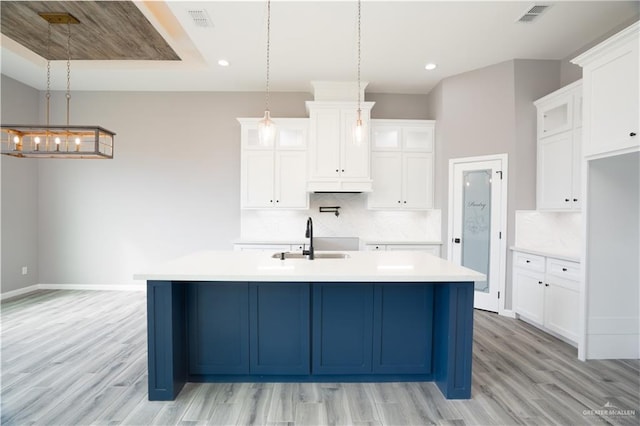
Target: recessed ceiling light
(223,63)
(430,66)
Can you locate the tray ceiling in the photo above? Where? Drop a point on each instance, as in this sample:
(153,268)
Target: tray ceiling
(108,30)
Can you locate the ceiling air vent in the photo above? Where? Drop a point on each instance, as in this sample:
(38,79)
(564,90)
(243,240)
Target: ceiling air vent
(533,12)
(200,18)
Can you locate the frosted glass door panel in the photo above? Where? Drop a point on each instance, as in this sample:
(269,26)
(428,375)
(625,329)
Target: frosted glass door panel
(476,231)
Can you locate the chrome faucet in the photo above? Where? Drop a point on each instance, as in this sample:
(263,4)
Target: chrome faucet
(309,234)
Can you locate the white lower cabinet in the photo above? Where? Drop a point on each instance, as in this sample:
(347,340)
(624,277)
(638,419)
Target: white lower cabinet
(546,293)
(434,249)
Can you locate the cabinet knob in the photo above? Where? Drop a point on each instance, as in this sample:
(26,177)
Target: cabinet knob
(271,201)
(546,284)
(632,134)
(399,201)
(575,200)
(566,200)
(528,261)
(277,201)
(342,170)
(405,202)
(539,282)
(564,269)
(337,170)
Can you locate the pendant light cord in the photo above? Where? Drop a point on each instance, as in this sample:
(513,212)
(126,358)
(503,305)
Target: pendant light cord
(68,69)
(268,48)
(48,94)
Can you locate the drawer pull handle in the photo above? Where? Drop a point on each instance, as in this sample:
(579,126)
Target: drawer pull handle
(546,284)
(632,134)
(564,269)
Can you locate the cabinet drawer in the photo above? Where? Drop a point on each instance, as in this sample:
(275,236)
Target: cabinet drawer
(563,269)
(528,261)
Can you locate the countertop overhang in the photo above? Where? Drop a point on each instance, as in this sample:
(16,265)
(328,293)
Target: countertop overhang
(360,266)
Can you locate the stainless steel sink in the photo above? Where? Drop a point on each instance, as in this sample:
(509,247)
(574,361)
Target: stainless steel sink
(287,255)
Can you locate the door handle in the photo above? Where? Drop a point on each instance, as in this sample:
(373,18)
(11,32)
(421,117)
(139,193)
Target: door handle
(456,240)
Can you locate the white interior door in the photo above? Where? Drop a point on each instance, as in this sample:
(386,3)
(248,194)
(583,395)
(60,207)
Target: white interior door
(476,211)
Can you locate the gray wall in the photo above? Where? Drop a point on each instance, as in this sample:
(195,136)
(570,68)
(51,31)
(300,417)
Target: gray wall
(19,188)
(399,106)
(490,111)
(172,188)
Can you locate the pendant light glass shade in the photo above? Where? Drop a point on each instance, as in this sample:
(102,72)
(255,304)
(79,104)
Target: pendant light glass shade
(266,130)
(359,130)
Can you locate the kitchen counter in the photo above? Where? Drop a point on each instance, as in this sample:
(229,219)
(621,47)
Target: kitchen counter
(217,316)
(360,266)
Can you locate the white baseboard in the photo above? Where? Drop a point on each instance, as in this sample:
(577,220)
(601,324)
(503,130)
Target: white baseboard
(509,313)
(107,287)
(102,287)
(19,292)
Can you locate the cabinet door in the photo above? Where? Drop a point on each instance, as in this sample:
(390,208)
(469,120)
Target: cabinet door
(529,294)
(611,100)
(354,156)
(561,307)
(257,179)
(218,328)
(342,328)
(279,319)
(291,180)
(555,161)
(386,171)
(291,133)
(418,138)
(555,116)
(386,137)
(417,176)
(403,325)
(325,134)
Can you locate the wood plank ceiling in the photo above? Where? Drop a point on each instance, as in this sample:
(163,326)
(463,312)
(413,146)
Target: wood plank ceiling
(108,30)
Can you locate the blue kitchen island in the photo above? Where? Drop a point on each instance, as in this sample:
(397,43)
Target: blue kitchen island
(246,316)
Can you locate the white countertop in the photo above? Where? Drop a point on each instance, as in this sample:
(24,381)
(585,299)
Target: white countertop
(548,253)
(361,266)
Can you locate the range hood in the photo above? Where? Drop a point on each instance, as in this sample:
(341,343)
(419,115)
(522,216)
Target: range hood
(337,163)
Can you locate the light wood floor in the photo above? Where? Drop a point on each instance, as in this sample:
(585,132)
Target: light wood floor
(79,357)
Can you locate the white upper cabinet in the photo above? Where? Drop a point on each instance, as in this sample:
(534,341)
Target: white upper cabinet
(274,176)
(559,149)
(610,76)
(402,164)
(337,163)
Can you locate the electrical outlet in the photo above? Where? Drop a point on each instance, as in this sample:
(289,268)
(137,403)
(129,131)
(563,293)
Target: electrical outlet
(25,270)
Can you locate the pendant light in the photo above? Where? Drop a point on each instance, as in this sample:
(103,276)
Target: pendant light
(359,130)
(266,126)
(57,141)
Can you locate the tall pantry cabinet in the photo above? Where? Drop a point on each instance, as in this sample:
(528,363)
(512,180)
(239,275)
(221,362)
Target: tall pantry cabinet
(611,295)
